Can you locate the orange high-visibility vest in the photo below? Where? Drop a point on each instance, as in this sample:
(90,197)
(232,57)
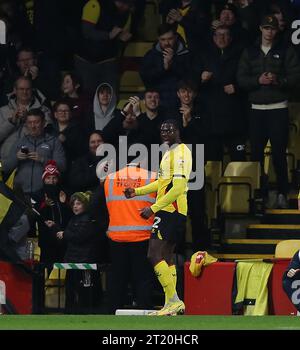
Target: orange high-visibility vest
(125,222)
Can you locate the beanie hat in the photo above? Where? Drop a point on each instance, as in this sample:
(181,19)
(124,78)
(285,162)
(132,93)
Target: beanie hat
(198,260)
(50,169)
(83,197)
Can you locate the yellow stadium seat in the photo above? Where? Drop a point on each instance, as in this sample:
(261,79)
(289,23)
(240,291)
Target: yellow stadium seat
(287,248)
(137,48)
(147,31)
(213,172)
(245,169)
(55,289)
(121,104)
(234,195)
(236,188)
(131,82)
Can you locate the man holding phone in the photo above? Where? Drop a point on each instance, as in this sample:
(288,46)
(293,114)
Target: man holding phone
(31,153)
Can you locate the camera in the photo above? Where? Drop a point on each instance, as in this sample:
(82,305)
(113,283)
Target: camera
(24,149)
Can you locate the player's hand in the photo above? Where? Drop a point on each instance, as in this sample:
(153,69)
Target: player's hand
(292,272)
(146,212)
(129,192)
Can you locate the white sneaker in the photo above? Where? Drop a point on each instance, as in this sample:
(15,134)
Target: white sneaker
(282,202)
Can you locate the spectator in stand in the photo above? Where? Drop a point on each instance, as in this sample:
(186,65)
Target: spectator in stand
(30,154)
(105,102)
(215,72)
(12,115)
(53,208)
(165,64)
(268,71)
(83,287)
(150,120)
(27,66)
(248,15)
(68,132)
(105,25)
(229,17)
(72,92)
(191,19)
(191,120)
(125,123)
(18,27)
(82,176)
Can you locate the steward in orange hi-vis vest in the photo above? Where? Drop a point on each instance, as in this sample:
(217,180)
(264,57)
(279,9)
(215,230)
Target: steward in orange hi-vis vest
(125,222)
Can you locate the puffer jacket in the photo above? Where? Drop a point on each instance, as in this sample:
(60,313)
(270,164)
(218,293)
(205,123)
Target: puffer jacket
(281,60)
(81,238)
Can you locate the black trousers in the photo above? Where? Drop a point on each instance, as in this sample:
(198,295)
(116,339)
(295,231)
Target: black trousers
(214,147)
(273,125)
(129,264)
(83,292)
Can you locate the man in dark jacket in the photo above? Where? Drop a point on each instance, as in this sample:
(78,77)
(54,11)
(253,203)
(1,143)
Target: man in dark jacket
(215,72)
(165,64)
(268,70)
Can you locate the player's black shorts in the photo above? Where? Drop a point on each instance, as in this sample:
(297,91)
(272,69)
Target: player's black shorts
(168,226)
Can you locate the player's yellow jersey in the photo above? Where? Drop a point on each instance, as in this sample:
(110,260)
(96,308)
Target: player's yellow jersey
(175,164)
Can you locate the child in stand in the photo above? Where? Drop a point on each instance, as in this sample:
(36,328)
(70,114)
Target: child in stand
(83,287)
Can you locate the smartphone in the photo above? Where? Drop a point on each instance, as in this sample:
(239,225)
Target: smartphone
(24,149)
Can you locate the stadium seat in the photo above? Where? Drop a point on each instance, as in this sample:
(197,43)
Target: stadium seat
(150,22)
(287,248)
(237,187)
(213,172)
(55,289)
(242,169)
(137,48)
(131,82)
(121,104)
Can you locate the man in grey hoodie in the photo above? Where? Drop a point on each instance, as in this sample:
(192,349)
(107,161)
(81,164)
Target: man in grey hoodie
(105,102)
